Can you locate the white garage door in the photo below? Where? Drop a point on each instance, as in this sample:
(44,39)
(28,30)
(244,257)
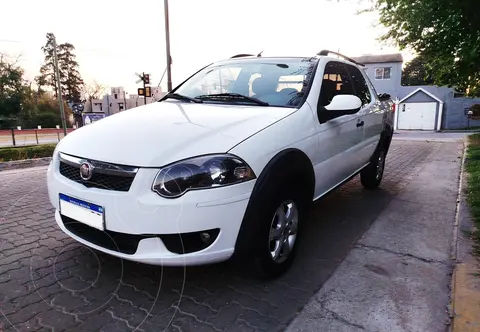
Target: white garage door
(417,116)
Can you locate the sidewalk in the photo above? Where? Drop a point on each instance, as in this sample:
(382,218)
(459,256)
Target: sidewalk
(398,276)
(26,163)
(418,135)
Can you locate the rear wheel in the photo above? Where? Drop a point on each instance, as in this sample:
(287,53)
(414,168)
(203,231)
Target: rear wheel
(371,176)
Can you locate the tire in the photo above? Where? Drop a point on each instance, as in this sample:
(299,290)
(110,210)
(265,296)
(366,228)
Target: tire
(371,176)
(279,216)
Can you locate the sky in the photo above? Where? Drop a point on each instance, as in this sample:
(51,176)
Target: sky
(116,39)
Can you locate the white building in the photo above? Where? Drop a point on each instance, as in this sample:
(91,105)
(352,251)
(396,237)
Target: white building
(119,100)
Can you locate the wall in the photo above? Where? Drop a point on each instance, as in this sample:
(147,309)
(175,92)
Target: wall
(394,86)
(390,86)
(442,93)
(111,105)
(454,116)
(454,113)
(420,97)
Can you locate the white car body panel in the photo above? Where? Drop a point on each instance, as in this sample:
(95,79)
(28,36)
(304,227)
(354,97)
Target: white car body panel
(161,133)
(376,115)
(298,132)
(340,140)
(141,211)
(152,136)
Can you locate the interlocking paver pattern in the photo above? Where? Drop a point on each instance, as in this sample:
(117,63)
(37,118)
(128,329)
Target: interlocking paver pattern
(49,282)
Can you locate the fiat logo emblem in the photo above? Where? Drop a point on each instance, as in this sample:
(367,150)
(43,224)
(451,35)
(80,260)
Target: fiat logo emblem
(86,171)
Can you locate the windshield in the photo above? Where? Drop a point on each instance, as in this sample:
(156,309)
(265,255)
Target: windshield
(278,82)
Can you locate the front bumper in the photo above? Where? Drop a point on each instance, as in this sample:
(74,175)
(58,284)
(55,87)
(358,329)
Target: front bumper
(140,211)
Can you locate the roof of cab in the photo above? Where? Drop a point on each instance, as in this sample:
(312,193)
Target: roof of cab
(264,59)
(381,58)
(322,53)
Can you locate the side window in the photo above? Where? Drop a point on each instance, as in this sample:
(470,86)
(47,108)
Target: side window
(383,73)
(360,84)
(336,81)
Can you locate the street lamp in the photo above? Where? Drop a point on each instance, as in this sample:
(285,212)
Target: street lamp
(167,42)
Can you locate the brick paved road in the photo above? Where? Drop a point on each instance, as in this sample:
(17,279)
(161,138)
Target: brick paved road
(50,282)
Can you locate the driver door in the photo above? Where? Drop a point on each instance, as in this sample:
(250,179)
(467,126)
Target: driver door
(339,139)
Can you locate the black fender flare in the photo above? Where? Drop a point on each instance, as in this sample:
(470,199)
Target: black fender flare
(384,142)
(290,166)
(387,136)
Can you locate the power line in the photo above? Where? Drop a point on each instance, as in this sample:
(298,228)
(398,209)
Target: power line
(161,79)
(19,57)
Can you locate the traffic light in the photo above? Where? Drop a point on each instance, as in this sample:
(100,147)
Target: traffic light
(148,91)
(141,91)
(146,78)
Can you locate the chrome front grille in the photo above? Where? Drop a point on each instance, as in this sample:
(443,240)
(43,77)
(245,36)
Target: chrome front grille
(104,175)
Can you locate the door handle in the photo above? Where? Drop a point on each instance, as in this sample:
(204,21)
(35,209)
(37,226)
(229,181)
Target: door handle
(360,124)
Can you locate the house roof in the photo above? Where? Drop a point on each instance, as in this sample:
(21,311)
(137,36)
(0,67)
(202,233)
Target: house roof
(381,58)
(431,95)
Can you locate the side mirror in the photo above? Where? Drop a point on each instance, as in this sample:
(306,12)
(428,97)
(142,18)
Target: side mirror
(345,104)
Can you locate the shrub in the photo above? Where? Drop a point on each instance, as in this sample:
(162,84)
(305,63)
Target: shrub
(46,120)
(473,188)
(27,152)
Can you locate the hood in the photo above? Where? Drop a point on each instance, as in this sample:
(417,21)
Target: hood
(163,132)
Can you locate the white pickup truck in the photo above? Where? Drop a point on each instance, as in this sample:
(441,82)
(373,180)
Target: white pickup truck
(225,165)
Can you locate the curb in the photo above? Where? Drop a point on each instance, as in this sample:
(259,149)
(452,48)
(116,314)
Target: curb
(465,298)
(27,163)
(465,131)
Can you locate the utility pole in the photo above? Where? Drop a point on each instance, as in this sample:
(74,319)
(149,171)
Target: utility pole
(167,40)
(145,91)
(59,87)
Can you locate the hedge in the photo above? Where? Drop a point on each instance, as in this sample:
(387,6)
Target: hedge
(26,152)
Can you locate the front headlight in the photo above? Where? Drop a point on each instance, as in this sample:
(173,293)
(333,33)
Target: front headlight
(201,173)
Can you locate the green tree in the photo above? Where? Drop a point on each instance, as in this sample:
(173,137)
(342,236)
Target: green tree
(445,33)
(47,77)
(20,104)
(42,80)
(12,87)
(415,73)
(70,79)
(39,108)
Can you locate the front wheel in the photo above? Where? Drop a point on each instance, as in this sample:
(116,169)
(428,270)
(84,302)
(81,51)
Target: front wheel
(371,176)
(277,222)
(283,231)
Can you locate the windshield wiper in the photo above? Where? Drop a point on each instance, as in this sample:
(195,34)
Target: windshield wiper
(237,96)
(182,97)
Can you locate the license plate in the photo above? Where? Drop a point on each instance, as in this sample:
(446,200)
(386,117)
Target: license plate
(81,211)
